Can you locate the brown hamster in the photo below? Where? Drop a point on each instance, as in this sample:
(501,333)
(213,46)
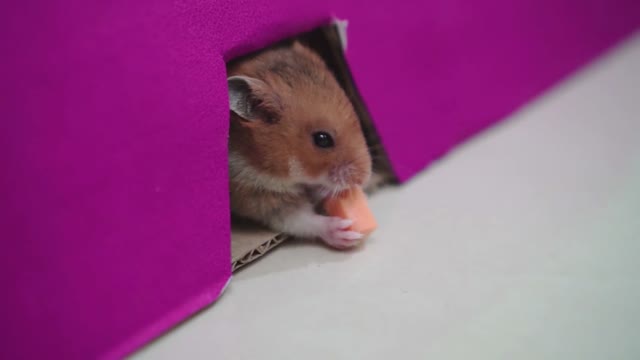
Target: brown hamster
(294,140)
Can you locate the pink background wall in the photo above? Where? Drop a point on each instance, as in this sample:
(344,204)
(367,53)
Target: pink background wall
(114,204)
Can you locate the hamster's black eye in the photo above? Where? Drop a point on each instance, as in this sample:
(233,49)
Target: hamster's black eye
(322,140)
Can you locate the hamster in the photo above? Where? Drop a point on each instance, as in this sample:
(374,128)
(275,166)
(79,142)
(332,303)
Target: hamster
(294,140)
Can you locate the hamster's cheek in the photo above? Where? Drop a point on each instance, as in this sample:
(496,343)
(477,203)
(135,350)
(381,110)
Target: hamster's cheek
(296,171)
(301,171)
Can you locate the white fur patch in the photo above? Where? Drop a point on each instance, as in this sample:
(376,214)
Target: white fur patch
(295,169)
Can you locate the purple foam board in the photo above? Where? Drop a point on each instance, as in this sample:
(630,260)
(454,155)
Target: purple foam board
(114,205)
(435,72)
(113,127)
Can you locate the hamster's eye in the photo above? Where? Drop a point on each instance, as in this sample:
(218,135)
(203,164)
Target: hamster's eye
(322,139)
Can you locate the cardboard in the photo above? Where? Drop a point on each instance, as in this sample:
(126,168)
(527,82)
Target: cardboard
(249,241)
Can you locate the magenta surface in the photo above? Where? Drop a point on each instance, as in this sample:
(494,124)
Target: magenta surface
(435,72)
(113,128)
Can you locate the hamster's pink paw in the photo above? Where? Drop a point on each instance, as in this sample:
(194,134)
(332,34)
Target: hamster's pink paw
(337,234)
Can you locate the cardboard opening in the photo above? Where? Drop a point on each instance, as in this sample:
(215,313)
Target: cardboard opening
(250,241)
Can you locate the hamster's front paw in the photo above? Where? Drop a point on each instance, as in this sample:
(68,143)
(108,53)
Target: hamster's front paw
(337,235)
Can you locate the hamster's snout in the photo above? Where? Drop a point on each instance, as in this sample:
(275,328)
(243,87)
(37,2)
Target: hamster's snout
(349,174)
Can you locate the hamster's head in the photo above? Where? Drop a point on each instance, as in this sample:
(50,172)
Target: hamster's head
(293,124)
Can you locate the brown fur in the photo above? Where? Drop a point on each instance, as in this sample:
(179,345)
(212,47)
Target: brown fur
(310,99)
(297,97)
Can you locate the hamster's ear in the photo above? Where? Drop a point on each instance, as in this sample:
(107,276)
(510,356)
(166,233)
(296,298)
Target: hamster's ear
(244,95)
(297,45)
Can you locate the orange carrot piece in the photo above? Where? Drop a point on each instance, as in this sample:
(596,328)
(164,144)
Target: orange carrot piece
(352,204)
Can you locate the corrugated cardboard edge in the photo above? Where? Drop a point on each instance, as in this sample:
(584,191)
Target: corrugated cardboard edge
(258,252)
(250,241)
